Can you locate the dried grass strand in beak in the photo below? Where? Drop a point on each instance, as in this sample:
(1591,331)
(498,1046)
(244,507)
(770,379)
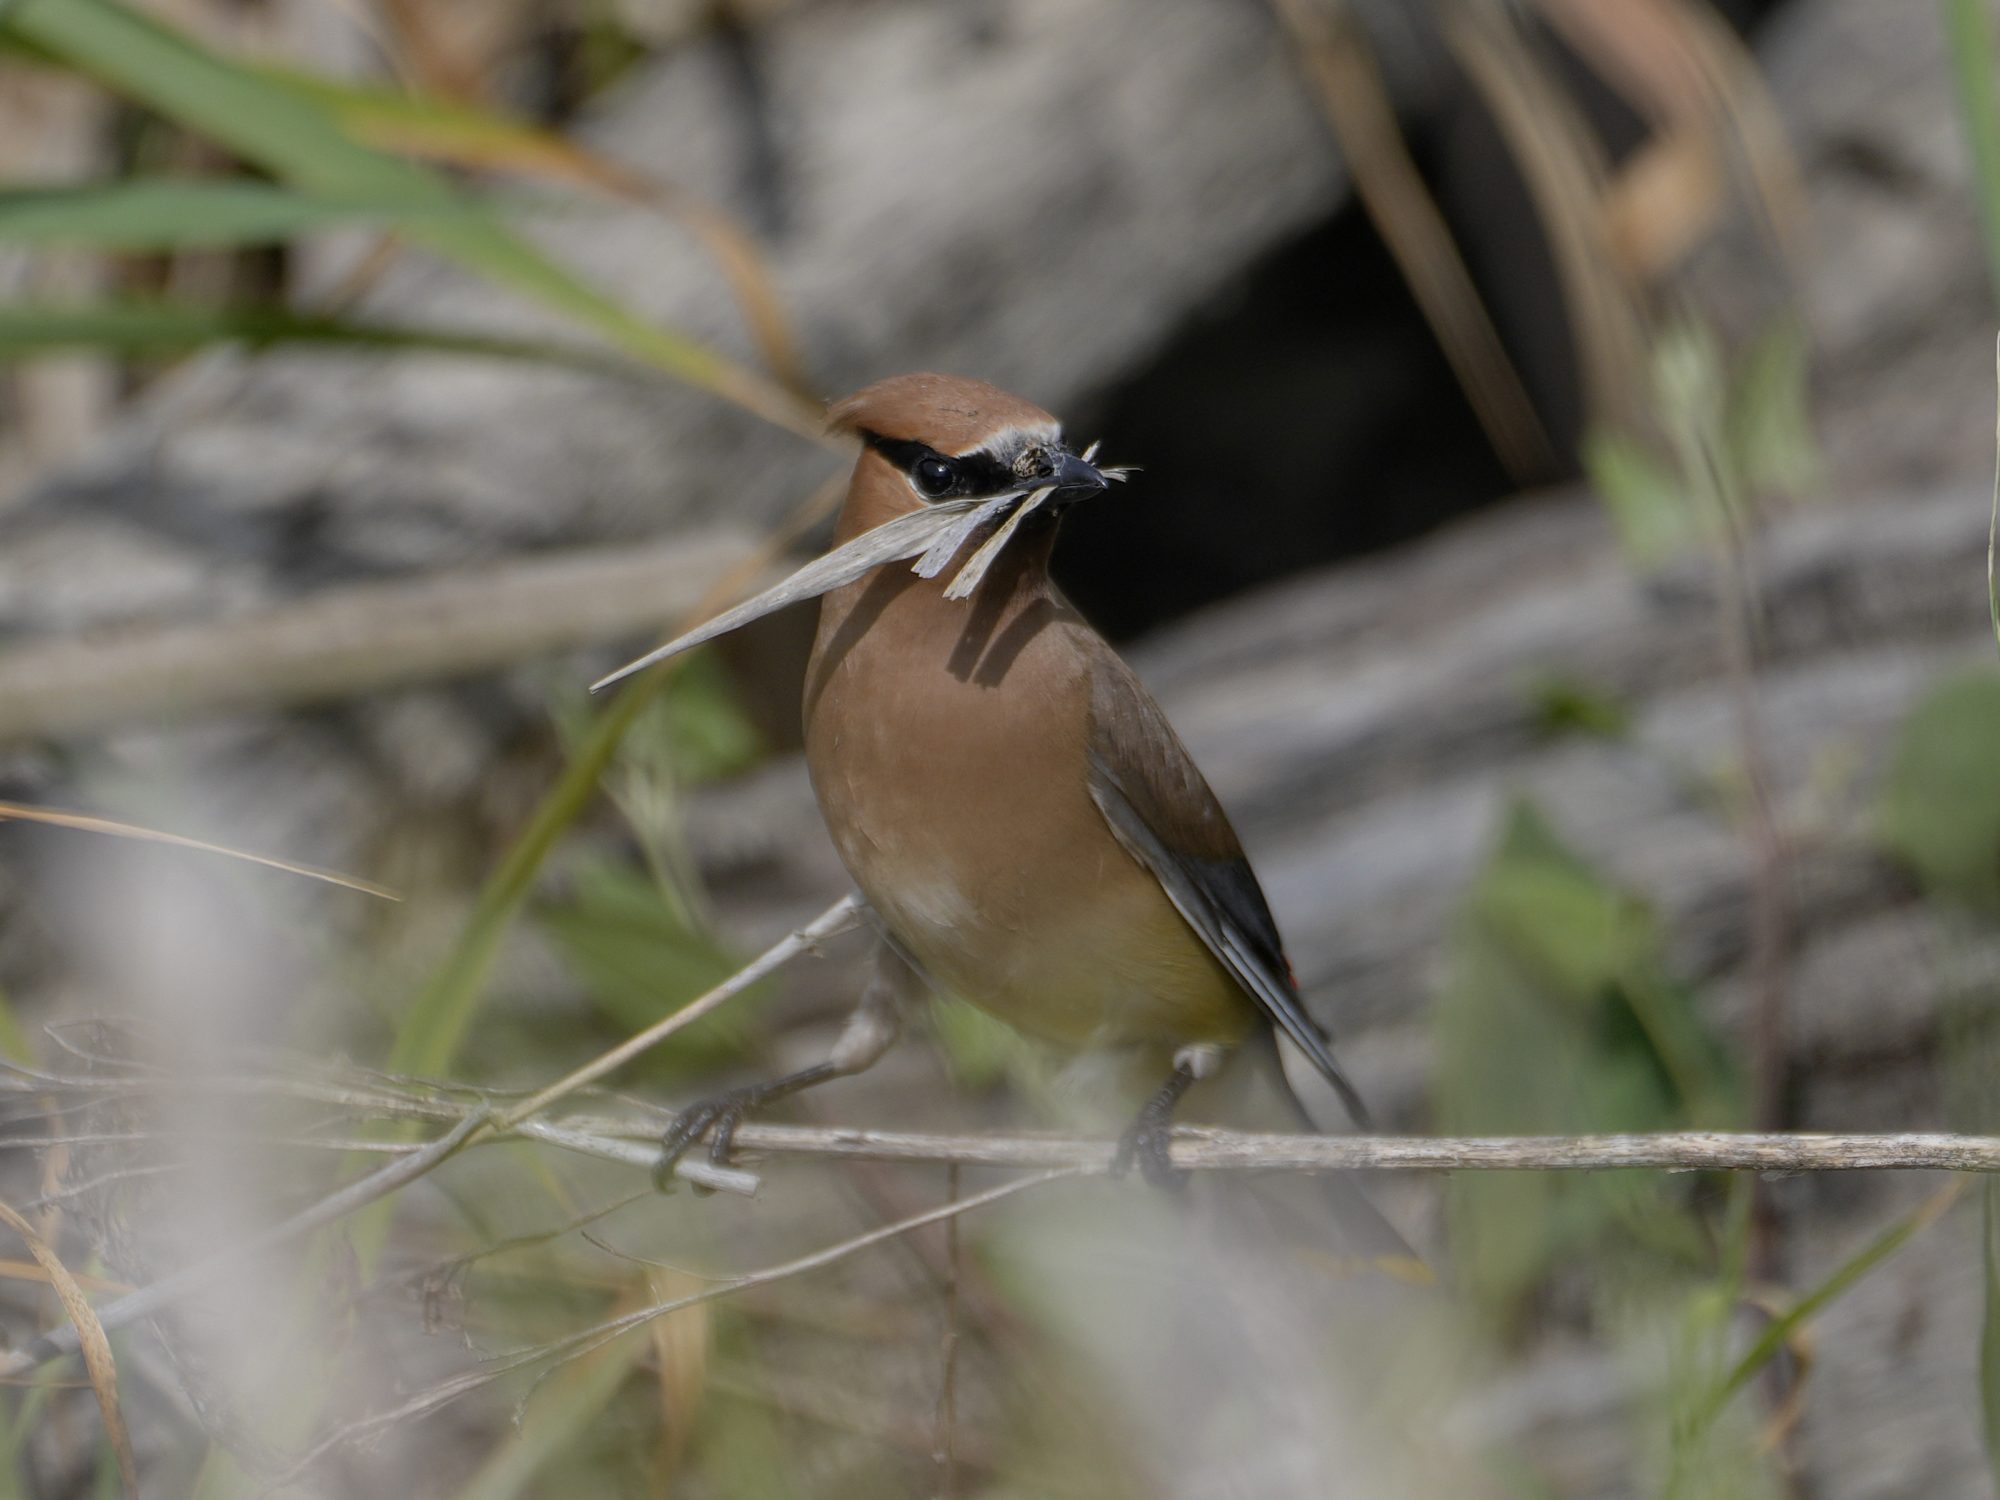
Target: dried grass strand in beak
(906,536)
(945,548)
(976,565)
(933,535)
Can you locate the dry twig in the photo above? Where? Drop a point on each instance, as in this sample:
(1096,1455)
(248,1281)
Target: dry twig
(362,638)
(1200,1149)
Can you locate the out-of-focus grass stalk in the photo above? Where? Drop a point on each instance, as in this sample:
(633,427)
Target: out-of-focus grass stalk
(1843,1277)
(432,1029)
(436,1023)
(572,1404)
(1968,33)
(13,1040)
(434,1026)
(296,137)
(1993,526)
(477,139)
(1356,103)
(91,1342)
(89,823)
(1968,30)
(160,327)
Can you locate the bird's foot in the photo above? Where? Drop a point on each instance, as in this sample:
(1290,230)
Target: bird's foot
(1150,1138)
(722,1113)
(1149,1142)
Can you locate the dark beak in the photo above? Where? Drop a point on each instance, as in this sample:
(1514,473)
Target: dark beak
(1075,478)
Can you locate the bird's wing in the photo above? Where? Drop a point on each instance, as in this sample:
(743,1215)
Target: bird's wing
(1161,810)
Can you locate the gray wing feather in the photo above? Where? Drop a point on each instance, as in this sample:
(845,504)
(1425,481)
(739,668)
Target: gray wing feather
(1220,900)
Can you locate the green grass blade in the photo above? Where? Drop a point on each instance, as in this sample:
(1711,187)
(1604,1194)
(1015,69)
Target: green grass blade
(452,133)
(432,1029)
(1968,30)
(147,61)
(296,137)
(161,327)
(1850,1271)
(156,214)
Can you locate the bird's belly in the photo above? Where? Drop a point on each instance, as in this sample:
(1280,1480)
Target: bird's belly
(955,785)
(1085,952)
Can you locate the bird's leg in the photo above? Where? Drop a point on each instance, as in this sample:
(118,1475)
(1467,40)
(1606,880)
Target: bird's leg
(1149,1138)
(725,1111)
(869,1033)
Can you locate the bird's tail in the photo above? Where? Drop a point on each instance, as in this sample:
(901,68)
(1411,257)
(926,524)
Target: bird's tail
(1366,1240)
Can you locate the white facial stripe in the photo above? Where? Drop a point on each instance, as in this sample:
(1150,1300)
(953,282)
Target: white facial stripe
(1008,441)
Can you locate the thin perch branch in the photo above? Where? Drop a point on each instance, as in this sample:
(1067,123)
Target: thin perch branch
(1230,1150)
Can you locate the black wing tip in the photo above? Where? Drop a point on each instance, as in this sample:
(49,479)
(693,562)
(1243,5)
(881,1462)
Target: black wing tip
(1312,1042)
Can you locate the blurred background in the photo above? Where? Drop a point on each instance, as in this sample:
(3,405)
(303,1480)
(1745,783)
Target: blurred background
(1567,445)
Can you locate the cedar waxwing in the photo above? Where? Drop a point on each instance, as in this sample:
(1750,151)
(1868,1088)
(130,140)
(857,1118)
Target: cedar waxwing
(1029,831)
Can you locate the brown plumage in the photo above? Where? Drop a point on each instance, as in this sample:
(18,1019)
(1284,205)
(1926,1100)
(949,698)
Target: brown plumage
(1008,796)
(1027,827)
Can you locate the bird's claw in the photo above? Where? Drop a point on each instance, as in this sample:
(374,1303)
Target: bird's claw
(1149,1142)
(723,1114)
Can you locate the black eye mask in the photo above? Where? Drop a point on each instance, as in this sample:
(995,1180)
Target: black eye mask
(944,476)
(933,534)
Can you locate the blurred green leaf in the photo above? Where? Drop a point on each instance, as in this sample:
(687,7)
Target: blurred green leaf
(1557,1016)
(742,1452)
(1733,431)
(1690,378)
(639,962)
(697,733)
(1968,26)
(1569,705)
(159,327)
(1646,499)
(1940,808)
(173,214)
(435,1024)
(979,1049)
(13,1040)
(1557,916)
(1768,434)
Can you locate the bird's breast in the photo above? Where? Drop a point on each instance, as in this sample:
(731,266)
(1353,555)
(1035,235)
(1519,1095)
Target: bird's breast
(948,746)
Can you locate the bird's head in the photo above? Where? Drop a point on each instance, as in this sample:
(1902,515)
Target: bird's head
(927,439)
(944,460)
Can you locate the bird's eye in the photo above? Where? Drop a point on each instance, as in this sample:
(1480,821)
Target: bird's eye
(934,476)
